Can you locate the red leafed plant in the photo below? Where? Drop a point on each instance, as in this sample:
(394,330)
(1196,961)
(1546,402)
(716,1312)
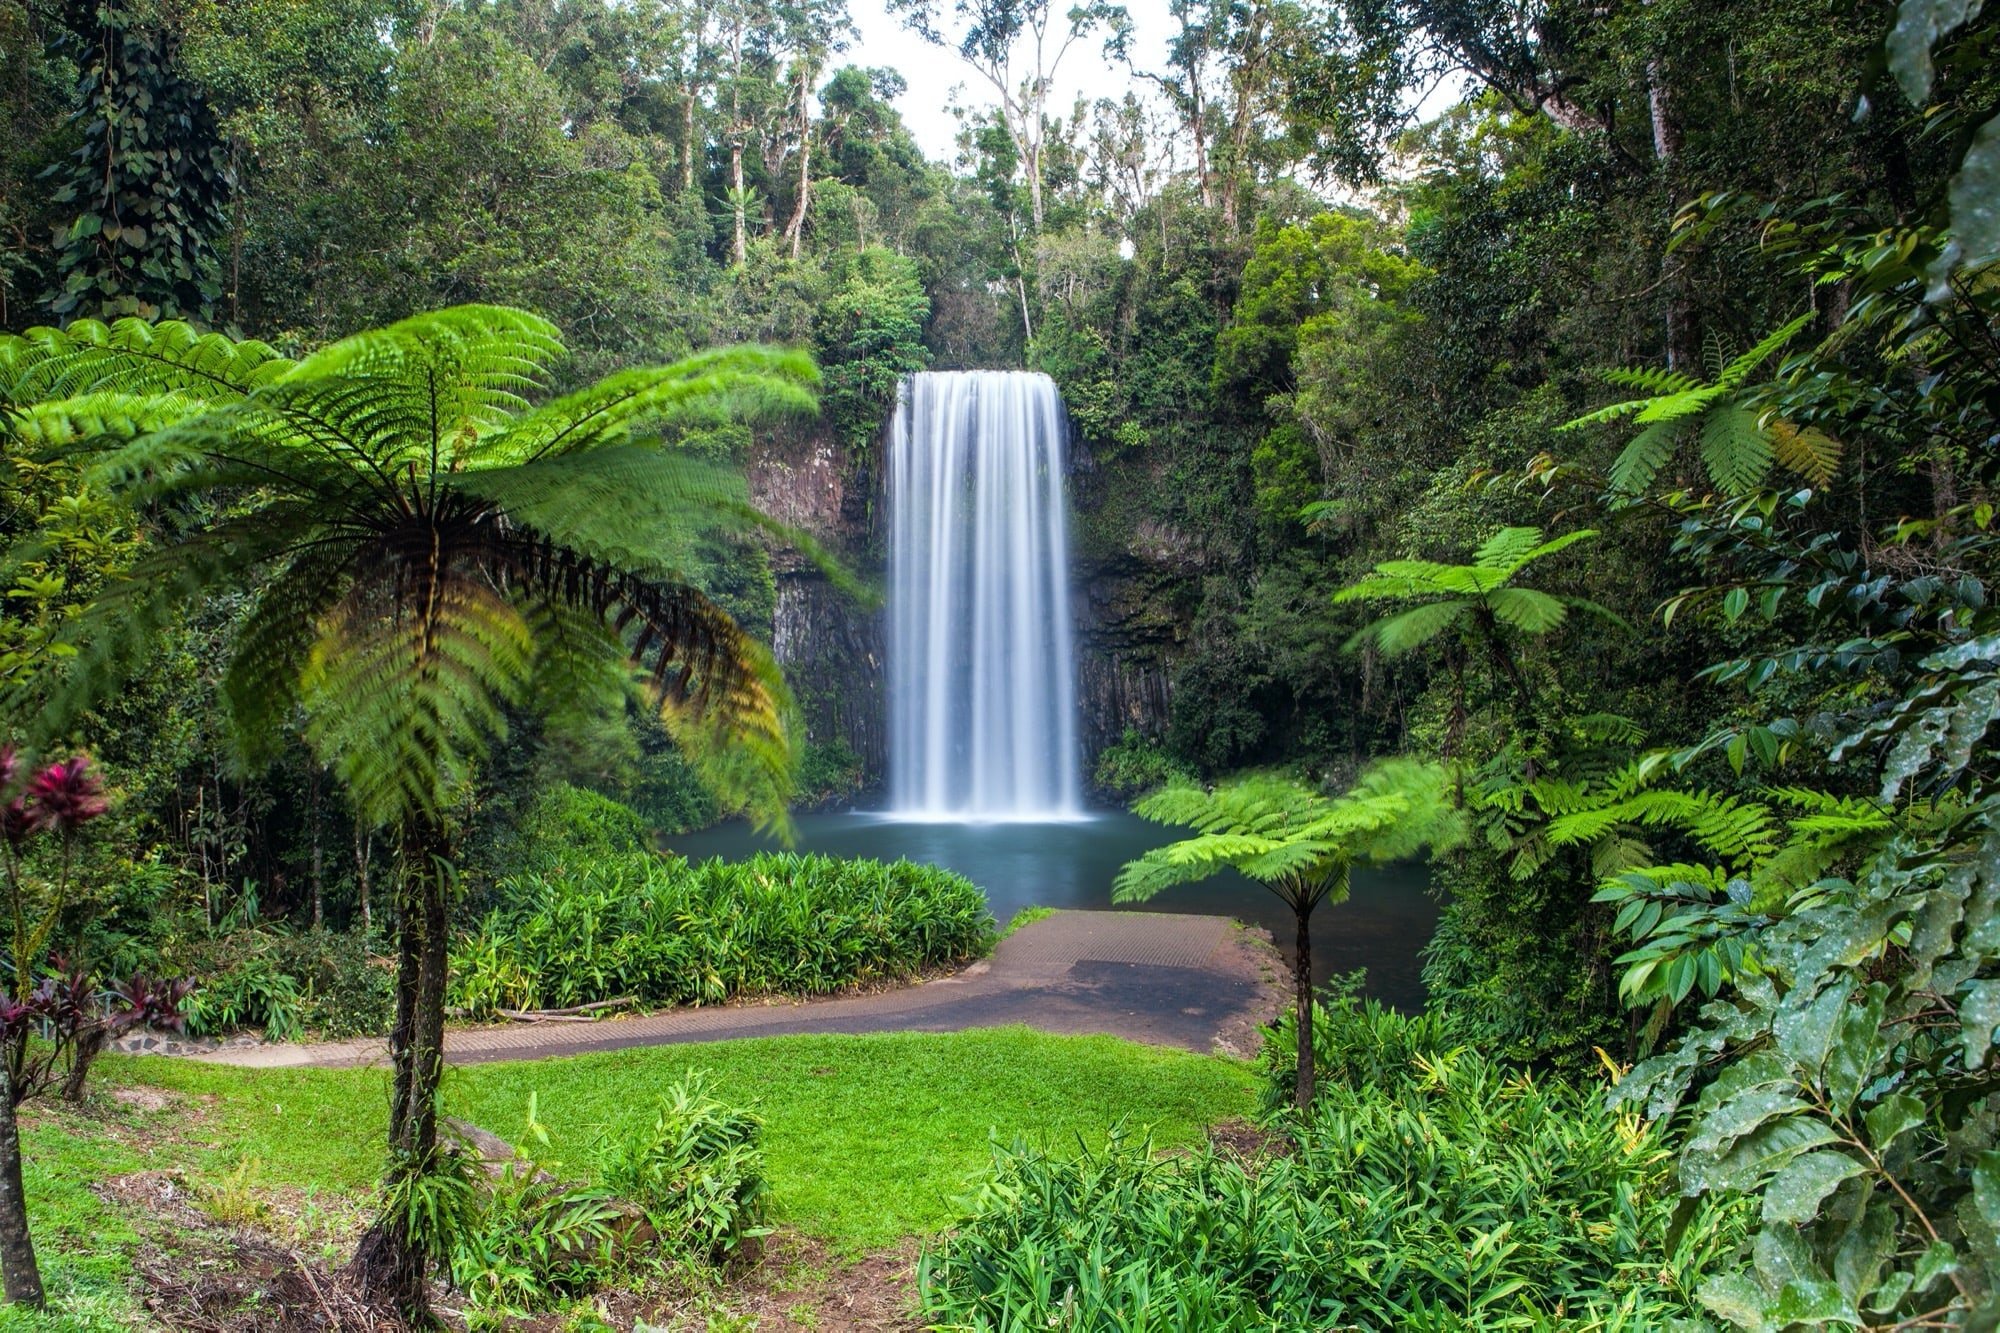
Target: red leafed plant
(75,1013)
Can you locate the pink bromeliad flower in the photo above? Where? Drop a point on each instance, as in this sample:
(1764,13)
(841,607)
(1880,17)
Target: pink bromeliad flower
(66,795)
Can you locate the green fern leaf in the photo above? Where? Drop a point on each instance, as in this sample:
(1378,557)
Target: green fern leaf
(1734,449)
(1642,459)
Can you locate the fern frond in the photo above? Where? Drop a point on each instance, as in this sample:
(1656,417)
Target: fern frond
(1609,412)
(274,643)
(1738,372)
(94,418)
(1527,610)
(468,364)
(134,357)
(1806,450)
(1655,380)
(1680,406)
(727,384)
(1407,631)
(1398,579)
(1507,550)
(402,699)
(1734,449)
(1641,460)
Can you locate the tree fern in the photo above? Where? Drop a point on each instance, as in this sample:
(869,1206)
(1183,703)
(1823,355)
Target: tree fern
(1736,447)
(1299,843)
(1450,595)
(428,552)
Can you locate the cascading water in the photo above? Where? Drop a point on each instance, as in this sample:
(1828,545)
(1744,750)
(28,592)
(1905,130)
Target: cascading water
(982,691)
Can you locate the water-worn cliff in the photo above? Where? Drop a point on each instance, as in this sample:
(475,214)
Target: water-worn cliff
(1133,586)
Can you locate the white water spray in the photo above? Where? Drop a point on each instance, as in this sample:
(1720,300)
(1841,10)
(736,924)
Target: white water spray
(982,690)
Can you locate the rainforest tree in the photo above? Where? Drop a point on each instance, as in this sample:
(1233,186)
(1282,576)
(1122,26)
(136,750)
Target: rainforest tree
(426,550)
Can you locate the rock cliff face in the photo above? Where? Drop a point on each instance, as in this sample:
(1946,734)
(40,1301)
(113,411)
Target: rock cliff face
(828,641)
(1130,582)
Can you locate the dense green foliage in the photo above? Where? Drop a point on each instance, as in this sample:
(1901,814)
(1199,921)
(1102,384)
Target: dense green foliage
(1444,1192)
(1629,419)
(685,1188)
(661,931)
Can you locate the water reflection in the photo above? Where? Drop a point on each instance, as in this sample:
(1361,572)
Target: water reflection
(1382,926)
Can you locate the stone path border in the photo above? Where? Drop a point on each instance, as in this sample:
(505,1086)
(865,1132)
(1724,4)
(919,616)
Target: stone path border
(1202,983)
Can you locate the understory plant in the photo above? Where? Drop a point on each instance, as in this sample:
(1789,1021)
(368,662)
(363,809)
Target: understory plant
(1356,1040)
(686,1187)
(1818,879)
(661,930)
(52,1026)
(1450,1192)
(432,542)
(1299,843)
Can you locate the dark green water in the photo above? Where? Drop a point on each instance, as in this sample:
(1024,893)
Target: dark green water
(1386,920)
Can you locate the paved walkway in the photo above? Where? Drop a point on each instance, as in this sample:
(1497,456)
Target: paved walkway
(1197,982)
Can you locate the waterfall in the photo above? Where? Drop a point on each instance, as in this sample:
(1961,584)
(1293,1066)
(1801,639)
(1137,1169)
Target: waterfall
(982,691)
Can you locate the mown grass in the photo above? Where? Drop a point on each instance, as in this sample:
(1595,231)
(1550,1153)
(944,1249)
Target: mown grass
(84,1244)
(868,1139)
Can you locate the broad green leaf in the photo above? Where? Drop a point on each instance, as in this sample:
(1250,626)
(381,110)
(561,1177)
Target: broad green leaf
(1794,1195)
(1737,1298)
(1890,1119)
(1806,1033)
(1808,1302)
(1940,1260)
(1978,1015)
(1852,1060)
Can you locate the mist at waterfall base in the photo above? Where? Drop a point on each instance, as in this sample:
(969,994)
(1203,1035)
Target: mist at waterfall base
(985,762)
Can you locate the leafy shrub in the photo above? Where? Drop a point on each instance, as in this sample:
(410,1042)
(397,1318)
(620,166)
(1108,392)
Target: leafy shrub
(698,1172)
(1470,1196)
(532,1239)
(1135,764)
(828,773)
(319,981)
(249,988)
(564,825)
(667,932)
(1357,1042)
(344,989)
(688,1186)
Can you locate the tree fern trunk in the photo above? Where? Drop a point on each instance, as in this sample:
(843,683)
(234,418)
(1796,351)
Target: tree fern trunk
(390,1265)
(1302,1000)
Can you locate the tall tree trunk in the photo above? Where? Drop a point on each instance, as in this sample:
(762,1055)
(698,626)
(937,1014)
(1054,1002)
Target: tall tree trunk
(741,248)
(1302,1000)
(19,1273)
(390,1265)
(797,228)
(362,848)
(317,821)
(1682,352)
(687,142)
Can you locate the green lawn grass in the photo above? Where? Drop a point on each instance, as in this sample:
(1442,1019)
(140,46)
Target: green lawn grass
(868,1139)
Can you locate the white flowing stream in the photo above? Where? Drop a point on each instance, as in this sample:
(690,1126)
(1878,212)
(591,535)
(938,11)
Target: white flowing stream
(982,689)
